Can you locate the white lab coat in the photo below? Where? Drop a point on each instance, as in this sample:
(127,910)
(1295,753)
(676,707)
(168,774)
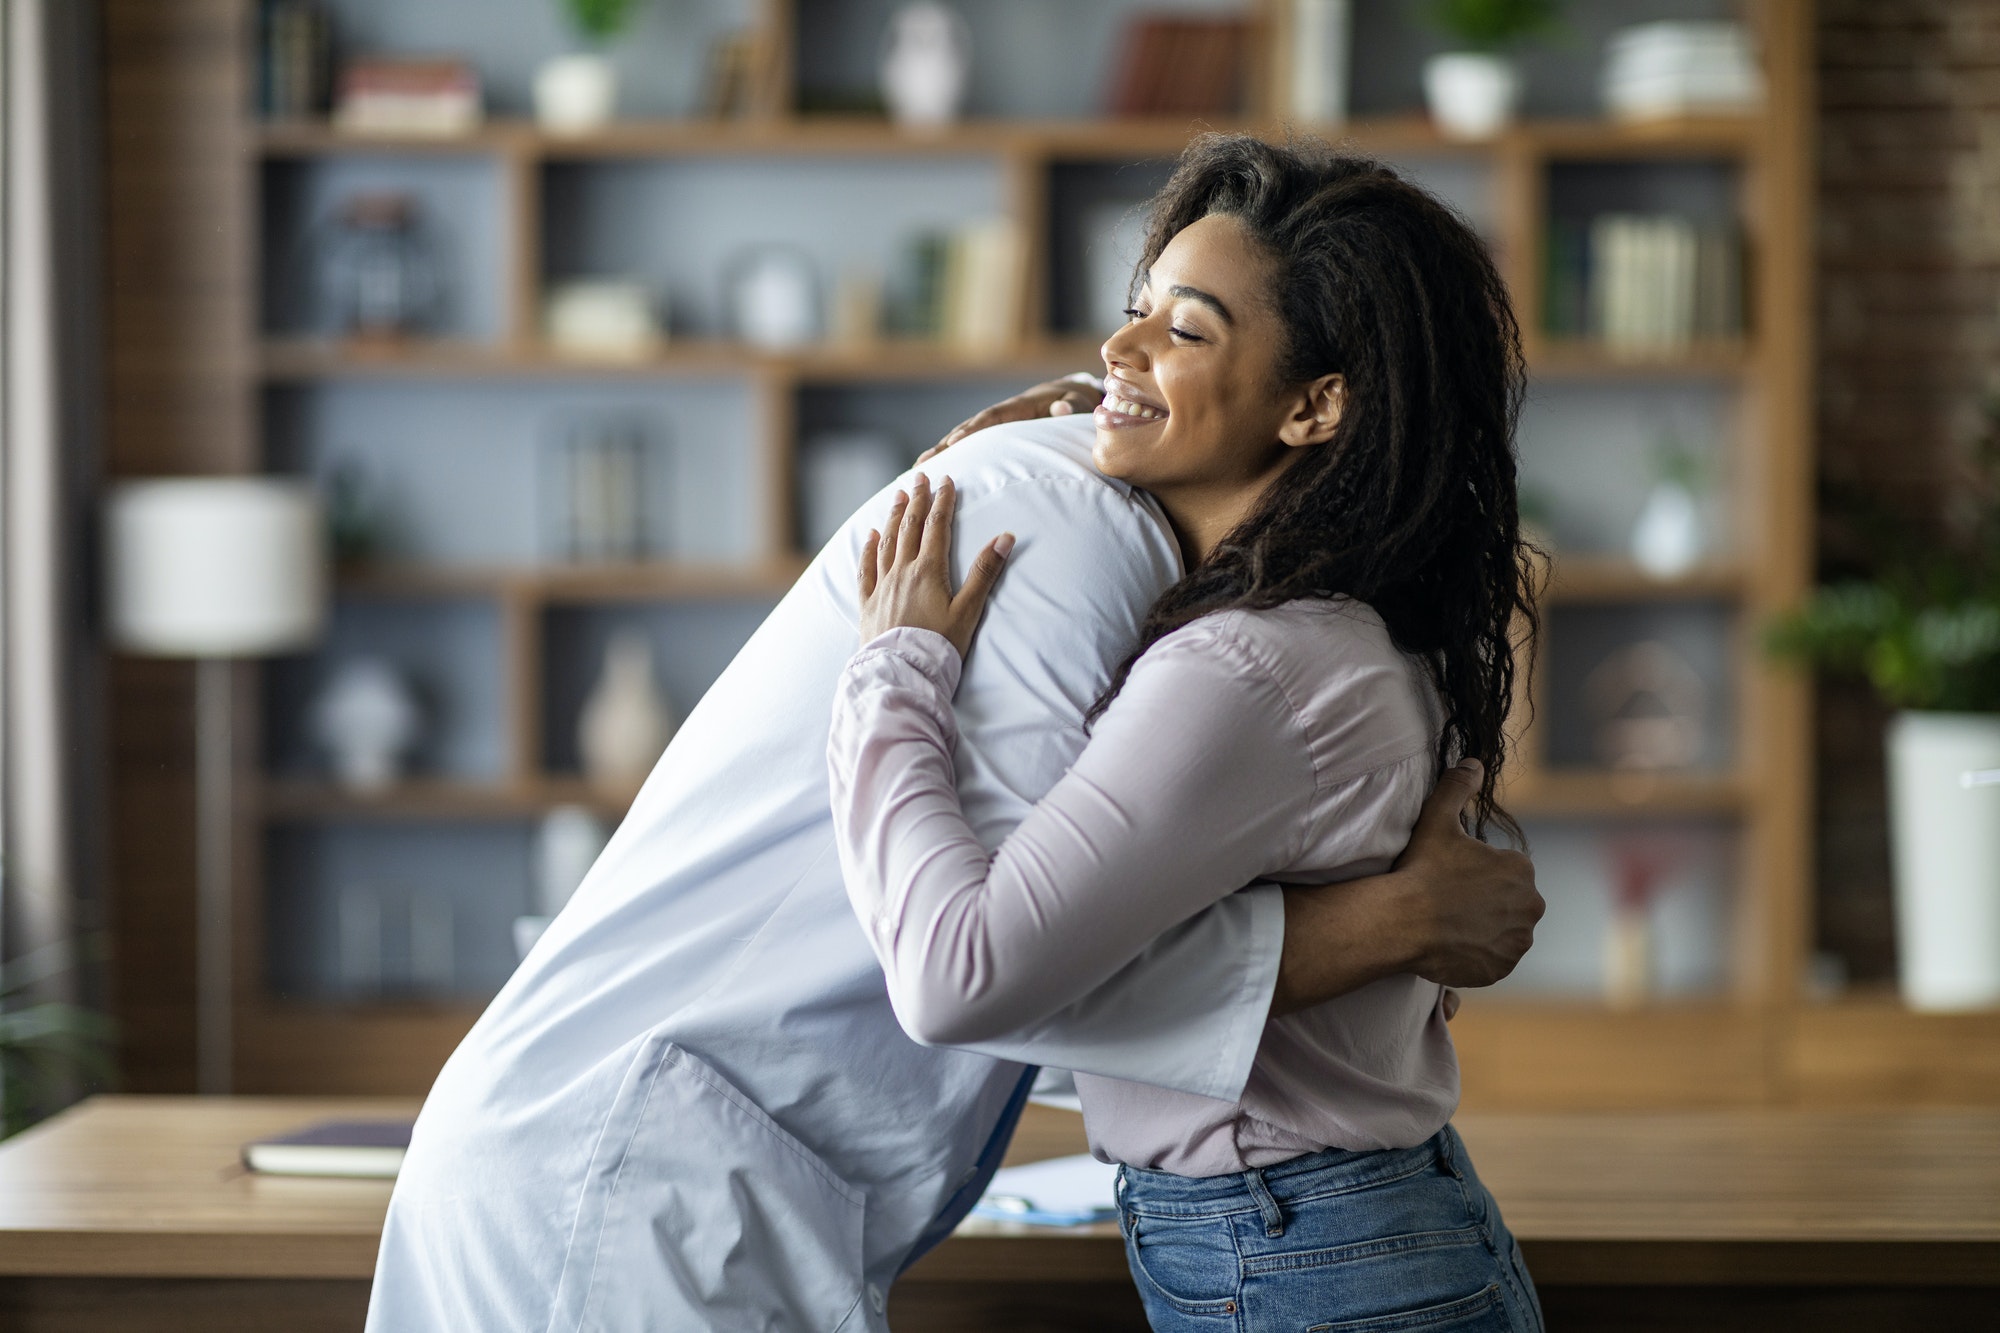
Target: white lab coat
(692,1107)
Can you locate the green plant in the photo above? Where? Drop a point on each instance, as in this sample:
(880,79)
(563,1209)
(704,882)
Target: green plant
(601,20)
(1489,25)
(44,1044)
(1924,630)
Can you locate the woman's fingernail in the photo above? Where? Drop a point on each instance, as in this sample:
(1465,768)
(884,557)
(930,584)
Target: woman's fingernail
(1004,545)
(1061,407)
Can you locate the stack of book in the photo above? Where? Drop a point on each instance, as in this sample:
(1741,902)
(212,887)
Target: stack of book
(1181,65)
(966,287)
(1643,285)
(297,65)
(408,97)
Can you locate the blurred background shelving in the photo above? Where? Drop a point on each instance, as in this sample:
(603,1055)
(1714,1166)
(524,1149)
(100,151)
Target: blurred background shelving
(1689,819)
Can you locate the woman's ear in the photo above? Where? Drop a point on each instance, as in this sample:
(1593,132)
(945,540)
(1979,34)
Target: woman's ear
(1316,414)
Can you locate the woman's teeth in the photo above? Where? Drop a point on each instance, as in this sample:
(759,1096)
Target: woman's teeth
(1125,407)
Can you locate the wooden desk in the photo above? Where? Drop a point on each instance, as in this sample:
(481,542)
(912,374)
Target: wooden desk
(132,1213)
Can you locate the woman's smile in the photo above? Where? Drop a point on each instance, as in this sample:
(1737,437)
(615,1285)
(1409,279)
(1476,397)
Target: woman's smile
(1126,405)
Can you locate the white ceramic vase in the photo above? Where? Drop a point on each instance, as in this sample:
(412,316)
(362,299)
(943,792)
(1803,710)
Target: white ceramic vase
(576,93)
(1945,841)
(1667,540)
(626,722)
(926,64)
(1472,95)
(566,846)
(366,719)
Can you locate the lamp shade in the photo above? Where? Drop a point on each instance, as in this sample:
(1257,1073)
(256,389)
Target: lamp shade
(214,566)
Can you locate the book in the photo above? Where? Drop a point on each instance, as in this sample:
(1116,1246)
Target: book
(1177,65)
(297,41)
(359,1148)
(382,96)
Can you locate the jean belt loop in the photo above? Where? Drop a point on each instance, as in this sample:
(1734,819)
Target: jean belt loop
(1274,1221)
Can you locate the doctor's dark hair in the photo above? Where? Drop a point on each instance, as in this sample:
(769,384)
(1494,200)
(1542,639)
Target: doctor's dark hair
(1411,506)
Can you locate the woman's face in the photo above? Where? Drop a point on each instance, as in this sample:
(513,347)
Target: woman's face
(1194,408)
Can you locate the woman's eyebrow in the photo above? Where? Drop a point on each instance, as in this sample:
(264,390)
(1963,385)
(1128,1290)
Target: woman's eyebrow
(1197,294)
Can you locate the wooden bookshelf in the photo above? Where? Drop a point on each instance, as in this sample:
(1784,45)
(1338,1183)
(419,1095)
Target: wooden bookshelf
(1755,1041)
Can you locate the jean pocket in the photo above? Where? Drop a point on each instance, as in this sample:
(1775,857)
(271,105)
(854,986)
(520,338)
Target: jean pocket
(1191,1263)
(1482,1312)
(701,1211)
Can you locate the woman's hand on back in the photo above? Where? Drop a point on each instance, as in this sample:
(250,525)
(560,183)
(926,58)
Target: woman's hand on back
(905,569)
(1054,398)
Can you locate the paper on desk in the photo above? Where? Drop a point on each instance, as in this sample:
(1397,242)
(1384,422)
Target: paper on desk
(1061,1192)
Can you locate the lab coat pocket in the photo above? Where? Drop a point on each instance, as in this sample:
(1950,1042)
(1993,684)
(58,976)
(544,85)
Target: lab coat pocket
(700,1212)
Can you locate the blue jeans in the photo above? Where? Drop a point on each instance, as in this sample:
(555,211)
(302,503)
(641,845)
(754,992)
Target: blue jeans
(1334,1242)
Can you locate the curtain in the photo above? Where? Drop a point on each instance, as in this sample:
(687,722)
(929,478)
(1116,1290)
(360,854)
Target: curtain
(47,468)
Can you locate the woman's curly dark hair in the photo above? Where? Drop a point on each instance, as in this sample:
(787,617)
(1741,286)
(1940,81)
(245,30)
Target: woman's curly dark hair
(1410,507)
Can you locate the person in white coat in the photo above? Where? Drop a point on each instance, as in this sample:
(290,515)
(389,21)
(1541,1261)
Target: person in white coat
(692,1107)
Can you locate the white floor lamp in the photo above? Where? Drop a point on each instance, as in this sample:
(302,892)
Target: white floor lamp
(214,568)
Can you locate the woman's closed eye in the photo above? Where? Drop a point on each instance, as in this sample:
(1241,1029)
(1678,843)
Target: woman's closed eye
(1186,335)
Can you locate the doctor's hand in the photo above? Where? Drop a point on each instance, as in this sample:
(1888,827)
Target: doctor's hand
(1453,910)
(906,569)
(1054,398)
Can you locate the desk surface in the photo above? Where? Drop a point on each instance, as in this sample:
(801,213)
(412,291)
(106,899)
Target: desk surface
(152,1187)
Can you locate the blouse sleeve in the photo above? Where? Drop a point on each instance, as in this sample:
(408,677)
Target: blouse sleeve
(1197,780)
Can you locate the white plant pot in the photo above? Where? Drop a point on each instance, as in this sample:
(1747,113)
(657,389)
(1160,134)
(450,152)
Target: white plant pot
(1945,839)
(575,93)
(1471,95)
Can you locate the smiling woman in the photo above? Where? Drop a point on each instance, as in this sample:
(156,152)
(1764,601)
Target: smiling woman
(1318,382)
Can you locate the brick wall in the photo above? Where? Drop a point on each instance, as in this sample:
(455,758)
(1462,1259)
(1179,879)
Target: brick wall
(1909,336)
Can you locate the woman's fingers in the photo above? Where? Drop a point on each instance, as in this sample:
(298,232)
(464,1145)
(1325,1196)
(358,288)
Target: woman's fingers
(909,546)
(891,531)
(868,557)
(937,527)
(979,581)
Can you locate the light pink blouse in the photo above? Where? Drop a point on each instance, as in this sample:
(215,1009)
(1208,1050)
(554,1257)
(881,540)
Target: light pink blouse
(1294,744)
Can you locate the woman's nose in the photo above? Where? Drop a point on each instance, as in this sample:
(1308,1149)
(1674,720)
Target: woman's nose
(1124,348)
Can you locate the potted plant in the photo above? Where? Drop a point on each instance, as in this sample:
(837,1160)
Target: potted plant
(578,92)
(1474,89)
(47,1048)
(1925,632)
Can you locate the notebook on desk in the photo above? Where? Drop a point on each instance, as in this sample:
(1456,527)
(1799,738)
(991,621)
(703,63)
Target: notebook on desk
(363,1148)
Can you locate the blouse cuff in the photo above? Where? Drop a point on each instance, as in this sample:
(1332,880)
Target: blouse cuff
(930,652)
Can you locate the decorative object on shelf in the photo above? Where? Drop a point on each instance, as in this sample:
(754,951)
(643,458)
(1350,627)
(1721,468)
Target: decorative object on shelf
(774,298)
(1474,91)
(578,92)
(408,97)
(1316,62)
(1639,865)
(354,519)
(839,471)
(1181,65)
(626,723)
(1663,70)
(602,318)
(567,844)
(378,268)
(926,65)
(297,69)
(597,489)
(1925,632)
(1648,708)
(730,75)
(366,718)
(214,568)
(857,308)
(1671,537)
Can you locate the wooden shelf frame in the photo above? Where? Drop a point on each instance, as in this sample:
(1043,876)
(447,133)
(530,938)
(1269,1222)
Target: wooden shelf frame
(1733,1050)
